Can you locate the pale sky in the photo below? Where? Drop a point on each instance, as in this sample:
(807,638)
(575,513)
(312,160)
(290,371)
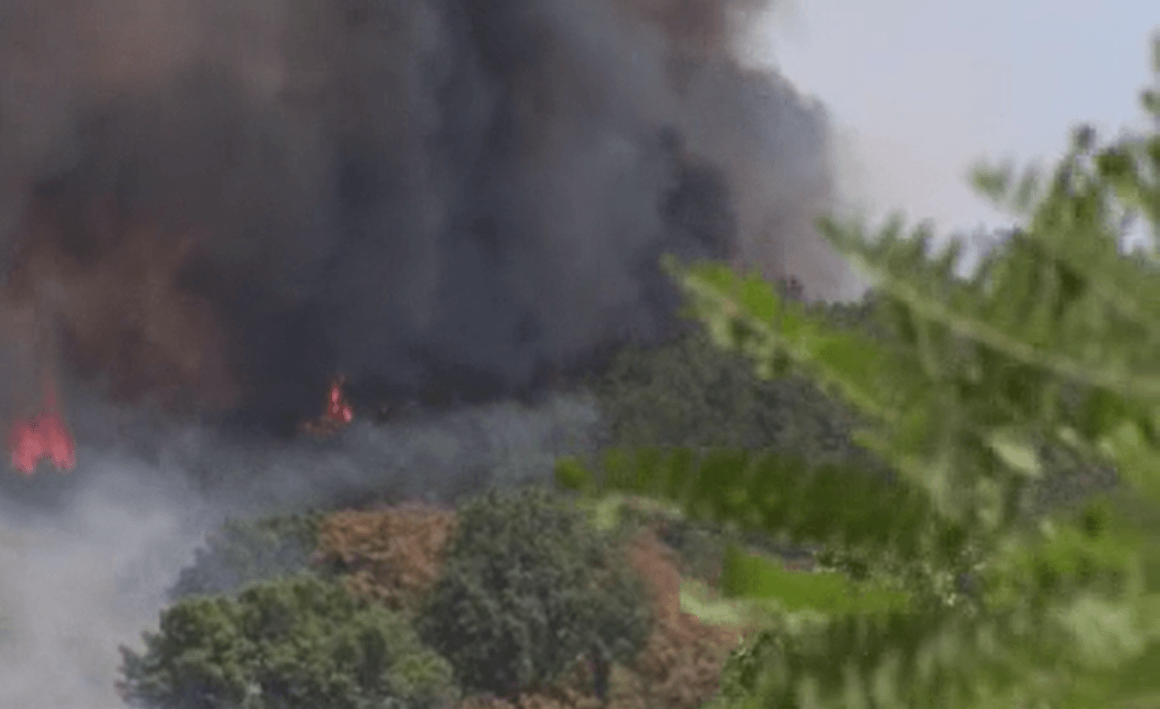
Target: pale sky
(920,89)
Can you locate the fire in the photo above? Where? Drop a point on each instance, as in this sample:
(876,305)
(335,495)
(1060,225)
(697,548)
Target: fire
(336,414)
(337,407)
(42,435)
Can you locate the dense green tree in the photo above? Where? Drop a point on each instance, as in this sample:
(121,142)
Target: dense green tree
(1052,341)
(528,587)
(689,393)
(244,551)
(296,643)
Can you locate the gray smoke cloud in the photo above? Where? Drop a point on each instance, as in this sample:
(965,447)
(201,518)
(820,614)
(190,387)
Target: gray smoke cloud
(216,204)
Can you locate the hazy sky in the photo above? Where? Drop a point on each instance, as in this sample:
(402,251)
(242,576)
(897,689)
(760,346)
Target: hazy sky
(920,89)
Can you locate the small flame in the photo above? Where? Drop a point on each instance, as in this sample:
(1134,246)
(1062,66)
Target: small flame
(336,414)
(43,435)
(337,408)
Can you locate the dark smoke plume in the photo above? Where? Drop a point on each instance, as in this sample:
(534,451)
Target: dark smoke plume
(214,205)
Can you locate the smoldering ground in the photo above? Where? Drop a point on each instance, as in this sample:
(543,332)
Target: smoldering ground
(208,207)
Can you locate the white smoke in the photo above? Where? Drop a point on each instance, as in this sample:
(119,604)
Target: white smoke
(86,559)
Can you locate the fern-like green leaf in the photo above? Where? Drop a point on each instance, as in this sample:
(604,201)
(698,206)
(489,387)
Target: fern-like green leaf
(966,385)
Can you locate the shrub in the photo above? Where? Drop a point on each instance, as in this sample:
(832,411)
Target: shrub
(297,643)
(245,551)
(528,586)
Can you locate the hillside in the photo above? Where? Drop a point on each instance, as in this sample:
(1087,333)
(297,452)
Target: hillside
(392,559)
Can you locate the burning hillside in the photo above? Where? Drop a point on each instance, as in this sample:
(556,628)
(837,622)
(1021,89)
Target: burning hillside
(214,205)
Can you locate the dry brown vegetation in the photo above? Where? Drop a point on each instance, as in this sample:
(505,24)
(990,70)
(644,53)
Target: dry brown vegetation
(681,664)
(389,555)
(393,555)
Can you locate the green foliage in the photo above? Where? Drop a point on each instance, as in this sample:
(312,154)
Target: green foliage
(245,551)
(837,506)
(1053,343)
(689,393)
(699,546)
(528,587)
(750,575)
(298,643)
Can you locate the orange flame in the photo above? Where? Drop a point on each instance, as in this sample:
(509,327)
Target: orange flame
(42,435)
(337,408)
(336,414)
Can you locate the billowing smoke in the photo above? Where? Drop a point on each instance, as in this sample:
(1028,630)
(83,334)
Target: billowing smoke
(214,205)
(210,207)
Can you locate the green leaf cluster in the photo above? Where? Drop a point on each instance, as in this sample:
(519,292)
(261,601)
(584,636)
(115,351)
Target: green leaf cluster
(296,643)
(1052,343)
(528,587)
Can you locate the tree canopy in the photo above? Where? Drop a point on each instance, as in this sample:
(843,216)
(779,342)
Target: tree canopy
(294,642)
(527,588)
